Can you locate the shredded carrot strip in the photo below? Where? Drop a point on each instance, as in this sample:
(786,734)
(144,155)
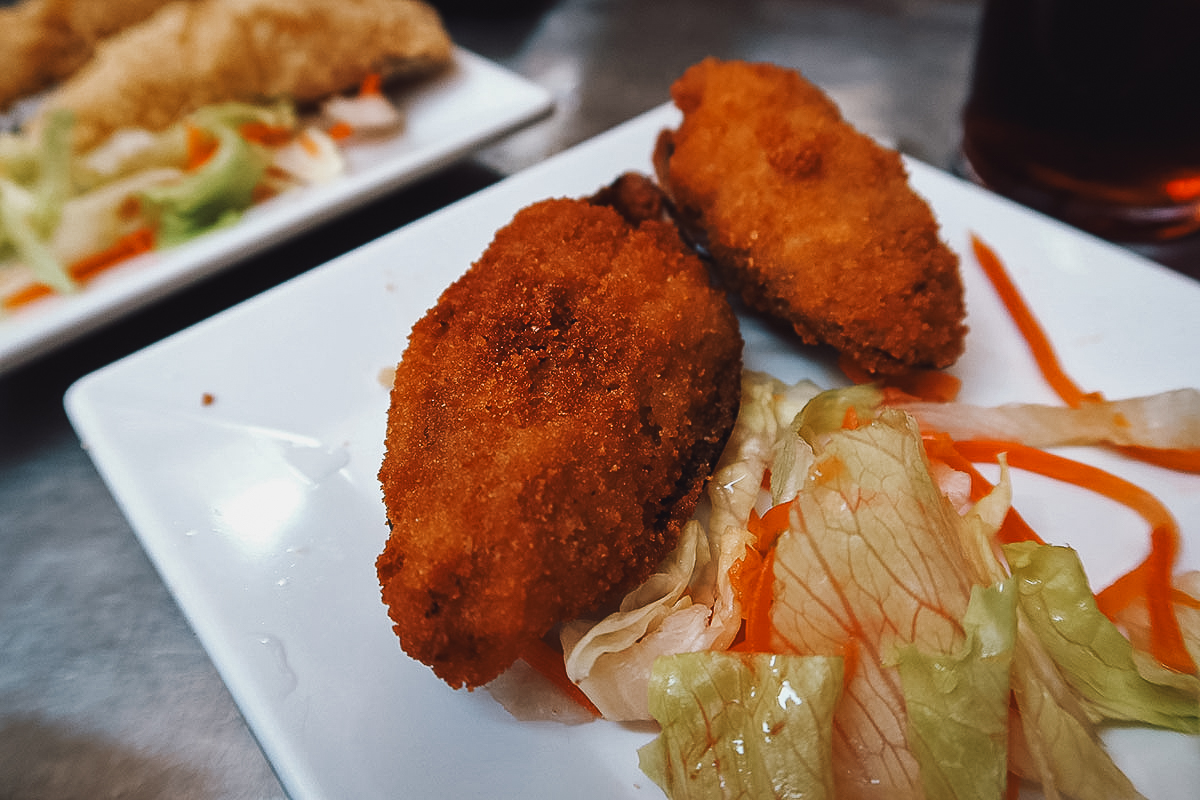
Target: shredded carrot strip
(26,295)
(309,144)
(1178,459)
(1031,330)
(131,244)
(767,528)
(1014,528)
(744,575)
(548,662)
(372,84)
(260,132)
(758,610)
(1012,791)
(1181,460)
(201,145)
(1182,598)
(1152,578)
(340,131)
(850,419)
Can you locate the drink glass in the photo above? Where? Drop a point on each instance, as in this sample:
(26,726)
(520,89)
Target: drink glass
(1089,110)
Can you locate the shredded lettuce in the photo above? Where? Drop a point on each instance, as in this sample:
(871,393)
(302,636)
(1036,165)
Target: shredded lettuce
(30,208)
(53,184)
(58,207)
(95,220)
(826,412)
(658,617)
(19,231)
(130,151)
(1092,654)
(1169,420)
(740,725)
(213,196)
(311,158)
(1059,745)
(957,703)
(690,604)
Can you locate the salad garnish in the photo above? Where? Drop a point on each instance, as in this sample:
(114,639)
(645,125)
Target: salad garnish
(65,217)
(847,526)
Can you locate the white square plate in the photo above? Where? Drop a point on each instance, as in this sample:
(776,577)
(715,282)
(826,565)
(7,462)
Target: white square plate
(244,452)
(446,117)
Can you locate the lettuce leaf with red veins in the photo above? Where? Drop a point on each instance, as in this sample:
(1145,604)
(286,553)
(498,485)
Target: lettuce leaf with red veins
(957,703)
(740,725)
(1094,657)
(876,558)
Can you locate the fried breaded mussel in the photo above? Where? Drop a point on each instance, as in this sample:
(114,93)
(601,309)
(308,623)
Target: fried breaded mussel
(552,423)
(812,221)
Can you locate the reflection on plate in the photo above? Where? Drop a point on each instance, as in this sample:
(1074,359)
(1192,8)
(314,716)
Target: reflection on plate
(244,453)
(445,118)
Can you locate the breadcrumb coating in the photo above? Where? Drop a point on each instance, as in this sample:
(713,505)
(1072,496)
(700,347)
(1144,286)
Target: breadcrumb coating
(813,222)
(552,423)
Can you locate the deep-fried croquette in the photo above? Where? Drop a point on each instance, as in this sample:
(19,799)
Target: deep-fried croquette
(813,222)
(44,41)
(552,423)
(193,54)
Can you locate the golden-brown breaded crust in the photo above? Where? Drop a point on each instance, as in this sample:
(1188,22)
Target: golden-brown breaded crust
(810,220)
(44,41)
(192,54)
(552,423)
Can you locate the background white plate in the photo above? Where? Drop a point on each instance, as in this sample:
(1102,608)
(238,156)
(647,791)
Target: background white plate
(262,512)
(447,117)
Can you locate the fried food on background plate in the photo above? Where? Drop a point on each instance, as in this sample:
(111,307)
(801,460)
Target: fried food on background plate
(44,41)
(192,54)
(552,424)
(810,220)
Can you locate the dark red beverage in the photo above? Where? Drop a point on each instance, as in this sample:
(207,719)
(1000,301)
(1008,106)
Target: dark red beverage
(1089,110)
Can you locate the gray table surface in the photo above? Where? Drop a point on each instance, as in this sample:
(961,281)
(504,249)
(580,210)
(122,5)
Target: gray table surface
(104,689)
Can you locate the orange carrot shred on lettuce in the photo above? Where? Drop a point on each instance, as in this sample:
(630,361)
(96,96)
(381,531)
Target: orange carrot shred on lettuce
(548,663)
(26,295)
(130,245)
(201,145)
(340,131)
(309,144)
(259,132)
(766,528)
(751,576)
(1180,460)
(757,611)
(941,447)
(1150,580)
